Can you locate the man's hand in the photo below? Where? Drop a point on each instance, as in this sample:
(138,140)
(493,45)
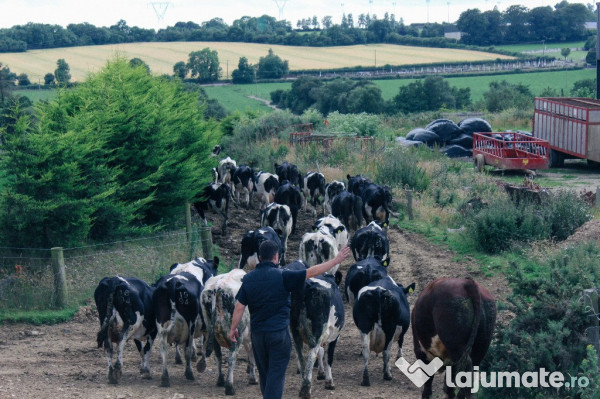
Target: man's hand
(343,254)
(234,335)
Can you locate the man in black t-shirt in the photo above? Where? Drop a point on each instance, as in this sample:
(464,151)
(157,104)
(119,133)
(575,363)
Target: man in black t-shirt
(266,291)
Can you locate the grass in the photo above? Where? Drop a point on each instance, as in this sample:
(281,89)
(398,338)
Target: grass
(162,56)
(36,95)
(235,96)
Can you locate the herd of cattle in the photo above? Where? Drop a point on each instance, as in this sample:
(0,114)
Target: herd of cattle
(191,307)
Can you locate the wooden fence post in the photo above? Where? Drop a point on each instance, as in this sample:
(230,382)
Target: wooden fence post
(188,222)
(207,244)
(60,282)
(409,203)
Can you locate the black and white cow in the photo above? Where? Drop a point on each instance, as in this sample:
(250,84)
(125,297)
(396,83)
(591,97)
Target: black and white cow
(265,186)
(331,190)
(125,311)
(336,228)
(361,274)
(376,202)
(356,183)
(243,181)
(226,169)
(316,320)
(218,301)
(313,187)
(288,171)
(214,196)
(179,320)
(250,243)
(373,241)
(382,315)
(279,217)
(348,208)
(288,194)
(318,247)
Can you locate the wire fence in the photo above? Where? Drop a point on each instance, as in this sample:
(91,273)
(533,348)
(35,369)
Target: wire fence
(27,278)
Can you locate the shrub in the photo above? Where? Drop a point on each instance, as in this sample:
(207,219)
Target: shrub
(549,320)
(362,124)
(399,167)
(496,227)
(565,211)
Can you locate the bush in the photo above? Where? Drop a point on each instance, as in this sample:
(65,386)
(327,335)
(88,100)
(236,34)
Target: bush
(549,320)
(399,167)
(503,222)
(496,227)
(362,124)
(565,211)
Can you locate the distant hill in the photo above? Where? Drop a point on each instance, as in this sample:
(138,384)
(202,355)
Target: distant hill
(161,56)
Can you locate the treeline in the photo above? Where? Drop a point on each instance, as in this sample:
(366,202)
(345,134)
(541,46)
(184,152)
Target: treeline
(433,93)
(263,29)
(518,24)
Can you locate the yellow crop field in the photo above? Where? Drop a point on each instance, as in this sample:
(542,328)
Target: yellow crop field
(162,56)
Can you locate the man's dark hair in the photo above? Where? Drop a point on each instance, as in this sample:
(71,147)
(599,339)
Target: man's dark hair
(267,251)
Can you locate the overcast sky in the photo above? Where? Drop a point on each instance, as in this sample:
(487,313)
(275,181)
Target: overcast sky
(145,13)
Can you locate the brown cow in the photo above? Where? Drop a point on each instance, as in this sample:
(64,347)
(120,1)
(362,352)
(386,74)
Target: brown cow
(453,319)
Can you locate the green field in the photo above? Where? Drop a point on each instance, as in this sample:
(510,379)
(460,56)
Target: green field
(236,96)
(36,95)
(549,49)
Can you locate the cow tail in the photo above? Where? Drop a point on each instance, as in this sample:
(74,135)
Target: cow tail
(475,296)
(103,333)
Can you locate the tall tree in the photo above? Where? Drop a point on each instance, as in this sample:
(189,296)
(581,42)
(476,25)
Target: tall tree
(7,82)
(62,73)
(204,65)
(515,20)
(245,73)
(272,67)
(115,156)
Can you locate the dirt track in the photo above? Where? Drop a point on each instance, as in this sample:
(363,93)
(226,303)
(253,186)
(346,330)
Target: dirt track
(62,361)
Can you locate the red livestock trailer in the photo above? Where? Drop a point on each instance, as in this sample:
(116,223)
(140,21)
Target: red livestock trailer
(510,150)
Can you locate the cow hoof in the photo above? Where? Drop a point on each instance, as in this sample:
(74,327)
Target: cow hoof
(221,381)
(321,376)
(305,391)
(194,358)
(178,359)
(365,382)
(252,381)
(387,377)
(329,385)
(201,365)
(112,379)
(165,382)
(189,375)
(229,390)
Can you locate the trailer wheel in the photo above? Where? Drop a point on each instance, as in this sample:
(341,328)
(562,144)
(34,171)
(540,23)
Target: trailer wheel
(479,162)
(557,159)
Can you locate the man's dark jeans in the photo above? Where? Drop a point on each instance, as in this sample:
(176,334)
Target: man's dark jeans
(272,352)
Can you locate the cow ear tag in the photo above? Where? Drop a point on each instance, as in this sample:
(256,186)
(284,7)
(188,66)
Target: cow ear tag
(410,290)
(385,263)
(385,225)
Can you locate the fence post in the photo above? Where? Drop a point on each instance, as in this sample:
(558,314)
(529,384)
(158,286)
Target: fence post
(207,244)
(409,203)
(60,282)
(188,222)
(597,201)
